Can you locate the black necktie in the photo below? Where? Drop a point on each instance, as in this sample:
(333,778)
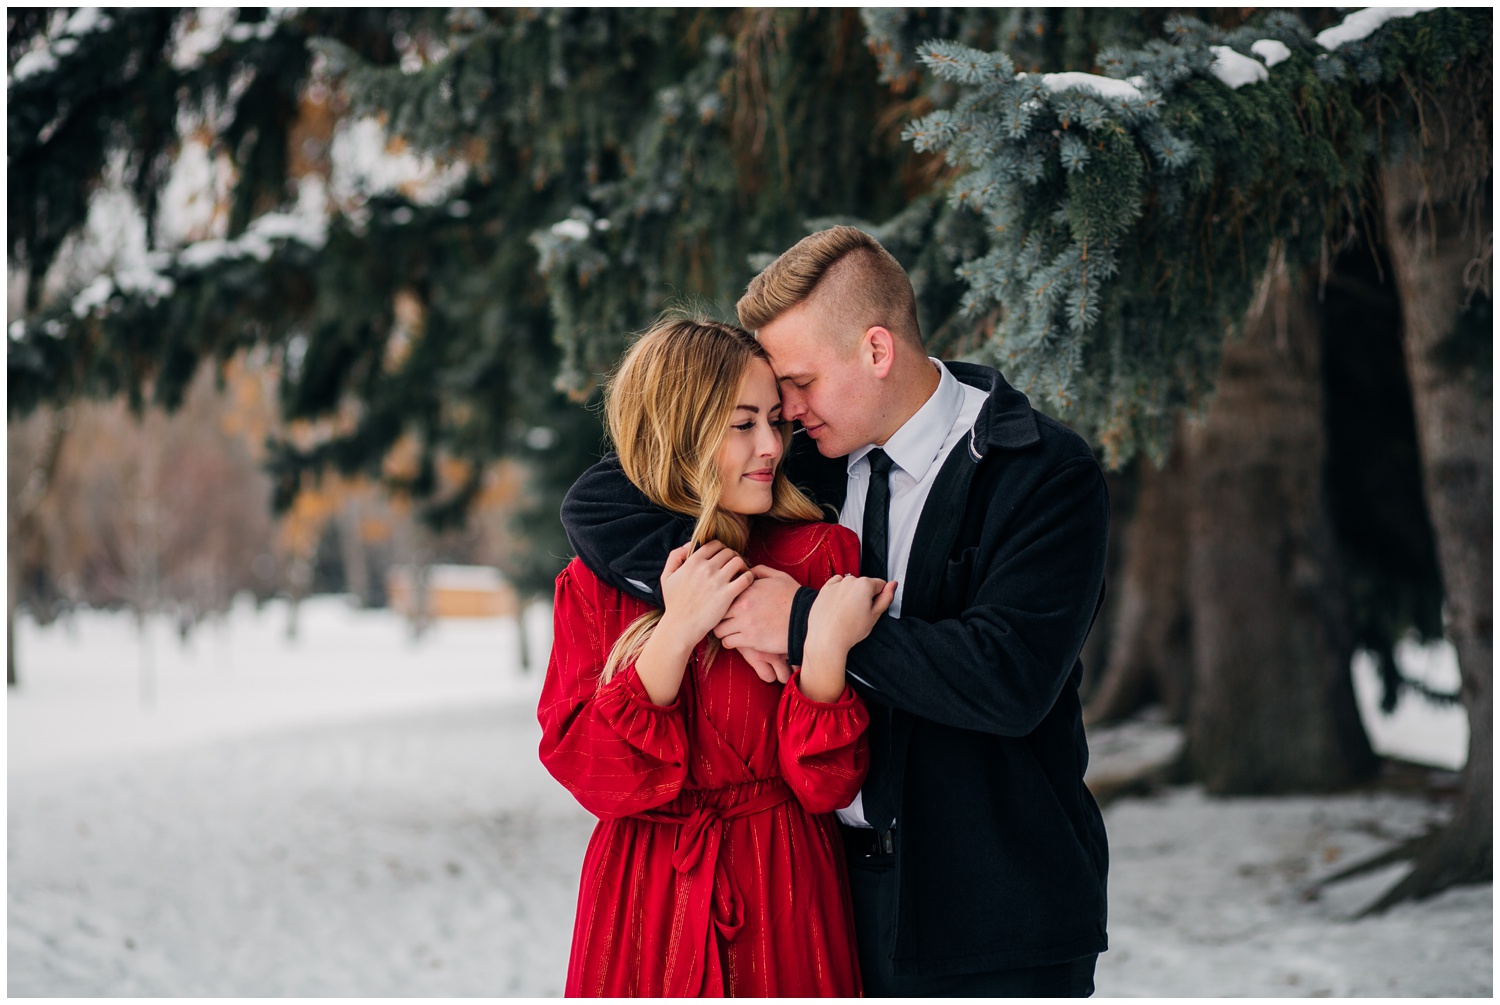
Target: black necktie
(874,549)
(874,542)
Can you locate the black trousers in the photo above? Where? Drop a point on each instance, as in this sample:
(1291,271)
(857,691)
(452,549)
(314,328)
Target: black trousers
(872,880)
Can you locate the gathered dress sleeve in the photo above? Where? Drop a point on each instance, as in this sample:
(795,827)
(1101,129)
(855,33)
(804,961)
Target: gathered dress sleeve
(822,746)
(616,751)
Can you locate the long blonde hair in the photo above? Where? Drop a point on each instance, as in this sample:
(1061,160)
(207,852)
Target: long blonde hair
(668,406)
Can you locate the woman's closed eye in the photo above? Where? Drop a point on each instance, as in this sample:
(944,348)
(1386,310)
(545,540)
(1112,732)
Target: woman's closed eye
(776,423)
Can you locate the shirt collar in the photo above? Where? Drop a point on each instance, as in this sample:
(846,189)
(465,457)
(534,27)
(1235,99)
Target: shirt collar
(916,445)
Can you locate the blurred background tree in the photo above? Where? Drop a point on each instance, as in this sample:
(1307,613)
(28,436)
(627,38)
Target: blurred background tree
(434,230)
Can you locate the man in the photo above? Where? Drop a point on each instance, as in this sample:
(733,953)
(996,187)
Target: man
(976,855)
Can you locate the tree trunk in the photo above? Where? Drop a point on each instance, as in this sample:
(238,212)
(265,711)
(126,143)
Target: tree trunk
(12,592)
(1437,229)
(299,576)
(1272,708)
(10,636)
(352,548)
(523,639)
(1149,657)
(22,521)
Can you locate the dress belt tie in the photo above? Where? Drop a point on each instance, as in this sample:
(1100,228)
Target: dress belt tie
(707,909)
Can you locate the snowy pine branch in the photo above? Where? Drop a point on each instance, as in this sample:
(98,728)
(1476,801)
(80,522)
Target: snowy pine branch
(1155,191)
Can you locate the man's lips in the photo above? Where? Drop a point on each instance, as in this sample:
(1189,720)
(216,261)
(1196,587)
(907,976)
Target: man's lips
(765,475)
(812,431)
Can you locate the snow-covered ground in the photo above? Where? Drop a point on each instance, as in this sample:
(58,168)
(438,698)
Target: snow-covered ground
(82,684)
(361,814)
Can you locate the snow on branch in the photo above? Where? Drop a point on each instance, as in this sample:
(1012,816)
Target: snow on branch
(1105,87)
(209,27)
(257,240)
(1361,24)
(1236,70)
(367,161)
(1271,51)
(141,279)
(151,277)
(46,58)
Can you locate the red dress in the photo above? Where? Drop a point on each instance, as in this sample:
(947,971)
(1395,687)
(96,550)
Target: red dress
(715,868)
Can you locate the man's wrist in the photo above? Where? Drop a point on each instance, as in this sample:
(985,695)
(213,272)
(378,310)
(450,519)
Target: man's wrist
(796,629)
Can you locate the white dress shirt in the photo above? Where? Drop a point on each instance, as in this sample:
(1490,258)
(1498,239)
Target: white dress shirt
(917,451)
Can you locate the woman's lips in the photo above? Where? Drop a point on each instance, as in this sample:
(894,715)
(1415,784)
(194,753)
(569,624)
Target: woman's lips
(765,475)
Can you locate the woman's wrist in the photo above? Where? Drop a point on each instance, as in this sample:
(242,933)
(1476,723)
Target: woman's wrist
(824,645)
(660,666)
(821,677)
(674,636)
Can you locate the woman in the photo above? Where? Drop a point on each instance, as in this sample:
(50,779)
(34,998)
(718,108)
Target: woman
(715,868)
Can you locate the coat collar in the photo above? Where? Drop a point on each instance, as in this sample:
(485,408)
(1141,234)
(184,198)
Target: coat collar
(1006,420)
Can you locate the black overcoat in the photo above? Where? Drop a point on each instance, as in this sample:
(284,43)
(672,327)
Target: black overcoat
(1000,848)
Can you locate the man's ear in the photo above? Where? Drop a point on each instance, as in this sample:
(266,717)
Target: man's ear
(879,349)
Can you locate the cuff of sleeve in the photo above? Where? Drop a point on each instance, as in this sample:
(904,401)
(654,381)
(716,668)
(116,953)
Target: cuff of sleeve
(842,701)
(628,681)
(796,629)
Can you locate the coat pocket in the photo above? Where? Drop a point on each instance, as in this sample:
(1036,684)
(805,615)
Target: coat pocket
(956,589)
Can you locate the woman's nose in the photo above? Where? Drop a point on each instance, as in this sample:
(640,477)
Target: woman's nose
(769,444)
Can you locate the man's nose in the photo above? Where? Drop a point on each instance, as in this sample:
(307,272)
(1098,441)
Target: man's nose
(792,406)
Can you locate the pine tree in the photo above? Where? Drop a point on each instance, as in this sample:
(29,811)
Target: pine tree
(1134,219)
(594,165)
(602,164)
(466,375)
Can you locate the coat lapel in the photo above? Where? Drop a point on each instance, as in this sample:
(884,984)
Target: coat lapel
(937,527)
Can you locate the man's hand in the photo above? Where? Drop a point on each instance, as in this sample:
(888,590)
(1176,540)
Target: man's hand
(771,668)
(759,616)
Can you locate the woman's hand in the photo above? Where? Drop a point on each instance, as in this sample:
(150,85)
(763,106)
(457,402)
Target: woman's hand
(697,587)
(846,609)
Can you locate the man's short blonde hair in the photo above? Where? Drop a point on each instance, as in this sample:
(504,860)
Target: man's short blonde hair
(856,283)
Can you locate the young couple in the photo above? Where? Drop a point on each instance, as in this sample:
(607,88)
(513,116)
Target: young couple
(828,759)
